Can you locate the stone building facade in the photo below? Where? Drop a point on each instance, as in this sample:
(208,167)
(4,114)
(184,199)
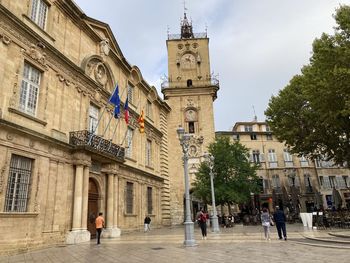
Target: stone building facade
(64,157)
(298,182)
(65,153)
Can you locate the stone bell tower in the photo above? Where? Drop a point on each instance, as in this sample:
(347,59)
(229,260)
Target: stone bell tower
(190,91)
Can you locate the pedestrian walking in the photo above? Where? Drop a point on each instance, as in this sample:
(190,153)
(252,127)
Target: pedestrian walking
(100,223)
(266,222)
(202,220)
(147,223)
(280,221)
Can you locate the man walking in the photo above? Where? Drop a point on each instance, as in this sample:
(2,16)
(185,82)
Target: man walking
(147,223)
(100,223)
(280,220)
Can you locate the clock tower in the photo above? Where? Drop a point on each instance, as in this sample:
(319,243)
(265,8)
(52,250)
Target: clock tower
(190,91)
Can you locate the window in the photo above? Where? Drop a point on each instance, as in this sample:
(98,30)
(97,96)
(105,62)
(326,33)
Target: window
(129,197)
(256,156)
(341,182)
(288,158)
(276,183)
(253,136)
(191,127)
(130,94)
(324,182)
(332,181)
(29,89)
(303,161)
(129,138)
(269,137)
(248,128)
(293,180)
(93,118)
(189,83)
(18,184)
(267,127)
(149,109)
(149,201)
(272,158)
(235,137)
(148,152)
(39,12)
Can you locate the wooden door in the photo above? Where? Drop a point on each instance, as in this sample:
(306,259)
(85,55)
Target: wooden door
(92,207)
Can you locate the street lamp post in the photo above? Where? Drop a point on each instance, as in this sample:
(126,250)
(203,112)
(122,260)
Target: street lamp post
(215,223)
(189,228)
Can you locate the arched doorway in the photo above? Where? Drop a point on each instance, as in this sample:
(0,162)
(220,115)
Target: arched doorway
(92,207)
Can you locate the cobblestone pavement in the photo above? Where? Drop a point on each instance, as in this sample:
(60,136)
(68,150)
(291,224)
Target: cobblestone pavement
(239,244)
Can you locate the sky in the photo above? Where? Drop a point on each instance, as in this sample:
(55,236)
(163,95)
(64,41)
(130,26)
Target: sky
(256,46)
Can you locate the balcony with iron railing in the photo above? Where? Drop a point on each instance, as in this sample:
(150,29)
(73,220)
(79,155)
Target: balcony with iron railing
(96,144)
(206,82)
(195,35)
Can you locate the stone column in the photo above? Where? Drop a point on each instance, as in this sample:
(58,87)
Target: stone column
(112,207)
(84,216)
(78,196)
(115,202)
(110,199)
(79,231)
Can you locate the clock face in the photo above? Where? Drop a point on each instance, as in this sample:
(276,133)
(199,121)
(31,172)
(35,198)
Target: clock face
(188,61)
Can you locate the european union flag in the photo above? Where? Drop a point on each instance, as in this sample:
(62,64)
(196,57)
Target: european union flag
(115,99)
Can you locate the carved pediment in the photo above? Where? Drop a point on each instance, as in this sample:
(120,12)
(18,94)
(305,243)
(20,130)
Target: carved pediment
(99,71)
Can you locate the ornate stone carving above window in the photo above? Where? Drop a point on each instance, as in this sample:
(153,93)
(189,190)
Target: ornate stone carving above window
(104,47)
(99,71)
(36,53)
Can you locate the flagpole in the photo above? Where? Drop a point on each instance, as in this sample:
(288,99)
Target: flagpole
(116,126)
(99,119)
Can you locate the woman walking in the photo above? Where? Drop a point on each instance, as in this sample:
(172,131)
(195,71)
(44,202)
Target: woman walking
(266,222)
(202,220)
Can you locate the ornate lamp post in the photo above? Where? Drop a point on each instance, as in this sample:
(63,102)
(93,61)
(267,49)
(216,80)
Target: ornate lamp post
(215,223)
(184,139)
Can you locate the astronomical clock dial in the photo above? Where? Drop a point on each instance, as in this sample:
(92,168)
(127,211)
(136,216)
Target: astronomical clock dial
(188,61)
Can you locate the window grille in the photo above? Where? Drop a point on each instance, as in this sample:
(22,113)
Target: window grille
(18,184)
(149,152)
(130,93)
(149,200)
(129,198)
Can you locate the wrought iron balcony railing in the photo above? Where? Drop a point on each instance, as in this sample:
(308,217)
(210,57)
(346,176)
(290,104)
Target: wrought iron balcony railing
(210,81)
(195,35)
(96,144)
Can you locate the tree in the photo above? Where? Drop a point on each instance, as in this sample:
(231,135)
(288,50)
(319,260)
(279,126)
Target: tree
(235,177)
(312,113)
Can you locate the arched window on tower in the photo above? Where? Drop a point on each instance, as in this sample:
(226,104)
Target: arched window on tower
(191,127)
(191,119)
(189,83)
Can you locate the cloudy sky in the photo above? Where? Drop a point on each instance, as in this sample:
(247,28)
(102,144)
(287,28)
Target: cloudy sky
(256,46)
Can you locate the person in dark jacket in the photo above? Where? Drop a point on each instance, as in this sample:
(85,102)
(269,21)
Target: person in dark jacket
(280,220)
(147,223)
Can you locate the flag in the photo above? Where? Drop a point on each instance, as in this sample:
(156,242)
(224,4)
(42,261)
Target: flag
(115,99)
(126,110)
(141,122)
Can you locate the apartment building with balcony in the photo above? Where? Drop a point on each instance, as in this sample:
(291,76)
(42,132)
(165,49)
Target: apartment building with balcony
(295,181)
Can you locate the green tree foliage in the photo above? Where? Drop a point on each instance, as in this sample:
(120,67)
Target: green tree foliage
(312,113)
(234,176)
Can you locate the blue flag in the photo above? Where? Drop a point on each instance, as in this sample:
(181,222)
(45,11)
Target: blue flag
(115,99)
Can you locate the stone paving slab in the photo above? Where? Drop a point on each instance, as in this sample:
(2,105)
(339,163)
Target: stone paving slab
(239,244)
